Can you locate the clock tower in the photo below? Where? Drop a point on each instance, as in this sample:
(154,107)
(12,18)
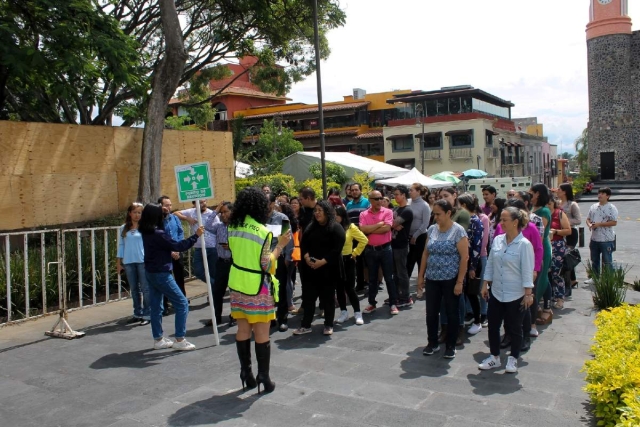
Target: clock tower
(614,91)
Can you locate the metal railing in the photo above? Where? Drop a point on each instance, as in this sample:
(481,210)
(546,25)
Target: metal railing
(40,268)
(433,154)
(460,153)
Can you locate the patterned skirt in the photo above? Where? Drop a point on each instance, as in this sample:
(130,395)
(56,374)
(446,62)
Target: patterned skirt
(255,308)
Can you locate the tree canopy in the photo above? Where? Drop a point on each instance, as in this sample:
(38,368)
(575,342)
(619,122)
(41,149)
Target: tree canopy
(84,61)
(269,149)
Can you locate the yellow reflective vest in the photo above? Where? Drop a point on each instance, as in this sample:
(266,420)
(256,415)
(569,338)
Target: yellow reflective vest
(246,242)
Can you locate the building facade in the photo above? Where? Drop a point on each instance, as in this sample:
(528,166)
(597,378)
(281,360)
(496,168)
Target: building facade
(614,91)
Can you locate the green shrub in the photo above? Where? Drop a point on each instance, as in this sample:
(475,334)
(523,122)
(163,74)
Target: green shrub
(316,185)
(278,183)
(613,376)
(636,285)
(609,287)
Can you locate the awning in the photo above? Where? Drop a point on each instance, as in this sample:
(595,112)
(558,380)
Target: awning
(406,135)
(428,134)
(369,135)
(491,132)
(459,132)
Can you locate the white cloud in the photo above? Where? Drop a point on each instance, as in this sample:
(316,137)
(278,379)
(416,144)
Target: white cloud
(532,53)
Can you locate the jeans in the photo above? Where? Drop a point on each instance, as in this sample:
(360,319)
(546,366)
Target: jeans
(139,288)
(512,313)
(164,284)
(436,292)
(198,265)
(346,286)
(223,267)
(604,249)
(376,259)
(400,273)
(320,283)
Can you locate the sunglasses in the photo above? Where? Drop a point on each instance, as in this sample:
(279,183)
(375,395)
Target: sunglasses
(376,198)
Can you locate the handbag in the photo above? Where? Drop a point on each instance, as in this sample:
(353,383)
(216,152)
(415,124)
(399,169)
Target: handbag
(474,286)
(572,259)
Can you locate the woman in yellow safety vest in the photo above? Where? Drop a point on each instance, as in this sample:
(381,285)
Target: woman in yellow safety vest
(254,290)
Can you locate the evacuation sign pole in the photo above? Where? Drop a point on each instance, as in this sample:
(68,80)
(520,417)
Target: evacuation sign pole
(206,275)
(194,184)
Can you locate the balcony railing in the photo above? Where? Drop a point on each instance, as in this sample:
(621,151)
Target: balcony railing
(492,153)
(430,155)
(460,153)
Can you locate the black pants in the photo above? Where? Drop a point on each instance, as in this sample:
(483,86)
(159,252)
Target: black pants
(178,273)
(347,285)
(283,275)
(319,284)
(415,253)
(512,314)
(220,283)
(435,291)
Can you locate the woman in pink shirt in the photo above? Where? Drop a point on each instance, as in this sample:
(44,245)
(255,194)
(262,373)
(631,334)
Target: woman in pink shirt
(531,233)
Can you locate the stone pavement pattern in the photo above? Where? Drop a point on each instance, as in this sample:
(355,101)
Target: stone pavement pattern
(371,375)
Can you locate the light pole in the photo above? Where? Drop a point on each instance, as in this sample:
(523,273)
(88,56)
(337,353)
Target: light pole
(316,42)
(478,160)
(420,122)
(277,121)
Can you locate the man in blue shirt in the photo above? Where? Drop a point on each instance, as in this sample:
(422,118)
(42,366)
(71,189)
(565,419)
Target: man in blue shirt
(173,227)
(355,207)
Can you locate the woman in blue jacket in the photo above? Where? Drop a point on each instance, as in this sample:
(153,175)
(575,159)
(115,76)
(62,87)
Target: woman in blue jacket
(158,264)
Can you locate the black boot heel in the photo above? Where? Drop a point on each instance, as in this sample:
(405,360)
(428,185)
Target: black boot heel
(263,354)
(246,375)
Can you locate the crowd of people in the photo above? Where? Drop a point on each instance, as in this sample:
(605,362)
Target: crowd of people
(495,265)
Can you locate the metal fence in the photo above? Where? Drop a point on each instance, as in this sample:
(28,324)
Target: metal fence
(42,271)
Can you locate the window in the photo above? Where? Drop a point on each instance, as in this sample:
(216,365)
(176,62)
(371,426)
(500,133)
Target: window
(485,107)
(432,141)
(454,105)
(432,108)
(402,144)
(461,140)
(443,107)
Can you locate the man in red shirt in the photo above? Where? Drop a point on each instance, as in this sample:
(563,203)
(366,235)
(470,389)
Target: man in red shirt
(376,223)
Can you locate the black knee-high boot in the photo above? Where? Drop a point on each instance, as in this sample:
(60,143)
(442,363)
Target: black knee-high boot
(244,354)
(263,354)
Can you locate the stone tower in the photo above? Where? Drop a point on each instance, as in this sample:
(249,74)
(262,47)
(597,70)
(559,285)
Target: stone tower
(614,91)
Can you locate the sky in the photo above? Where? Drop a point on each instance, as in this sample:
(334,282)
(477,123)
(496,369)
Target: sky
(532,53)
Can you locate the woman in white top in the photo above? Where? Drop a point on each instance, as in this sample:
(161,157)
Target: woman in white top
(510,272)
(571,208)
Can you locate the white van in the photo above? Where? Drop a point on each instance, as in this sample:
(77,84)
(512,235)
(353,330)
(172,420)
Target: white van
(502,185)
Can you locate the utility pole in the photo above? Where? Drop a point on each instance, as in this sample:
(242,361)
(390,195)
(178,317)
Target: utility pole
(420,122)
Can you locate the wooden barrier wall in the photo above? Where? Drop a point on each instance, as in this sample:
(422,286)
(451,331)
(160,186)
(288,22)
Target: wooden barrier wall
(56,174)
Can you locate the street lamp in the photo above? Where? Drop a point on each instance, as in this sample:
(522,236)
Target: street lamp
(478,157)
(316,44)
(420,122)
(277,121)
(252,131)
(531,166)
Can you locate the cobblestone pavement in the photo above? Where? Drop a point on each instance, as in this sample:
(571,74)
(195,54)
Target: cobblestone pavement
(371,375)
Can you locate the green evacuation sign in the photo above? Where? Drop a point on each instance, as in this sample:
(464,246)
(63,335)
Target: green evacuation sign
(194,181)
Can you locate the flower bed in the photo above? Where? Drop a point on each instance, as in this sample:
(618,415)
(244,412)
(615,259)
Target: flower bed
(613,376)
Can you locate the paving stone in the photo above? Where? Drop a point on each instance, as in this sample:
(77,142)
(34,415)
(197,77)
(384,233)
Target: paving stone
(522,415)
(362,345)
(327,383)
(335,405)
(386,415)
(473,408)
(407,397)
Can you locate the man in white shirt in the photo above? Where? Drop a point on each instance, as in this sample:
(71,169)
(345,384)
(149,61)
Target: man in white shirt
(602,217)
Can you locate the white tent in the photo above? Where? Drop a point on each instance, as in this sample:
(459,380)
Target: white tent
(414,176)
(243,170)
(298,165)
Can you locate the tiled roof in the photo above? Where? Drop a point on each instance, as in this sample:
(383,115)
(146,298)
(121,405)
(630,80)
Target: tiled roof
(327,134)
(337,107)
(368,135)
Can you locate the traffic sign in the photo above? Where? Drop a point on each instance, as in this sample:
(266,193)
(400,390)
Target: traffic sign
(194,182)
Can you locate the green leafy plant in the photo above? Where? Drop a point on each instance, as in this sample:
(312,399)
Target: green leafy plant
(364,179)
(636,285)
(277,182)
(316,185)
(335,173)
(609,287)
(613,375)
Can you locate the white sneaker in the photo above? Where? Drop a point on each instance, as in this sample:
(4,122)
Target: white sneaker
(474,329)
(183,345)
(491,362)
(162,343)
(588,282)
(512,365)
(344,315)
(358,316)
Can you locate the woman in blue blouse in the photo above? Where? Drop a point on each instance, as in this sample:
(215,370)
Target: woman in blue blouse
(510,272)
(444,266)
(130,258)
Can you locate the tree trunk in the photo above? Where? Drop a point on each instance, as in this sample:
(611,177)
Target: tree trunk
(165,82)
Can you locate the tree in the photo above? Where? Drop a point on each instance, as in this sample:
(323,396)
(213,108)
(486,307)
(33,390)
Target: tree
(566,155)
(267,156)
(582,150)
(335,173)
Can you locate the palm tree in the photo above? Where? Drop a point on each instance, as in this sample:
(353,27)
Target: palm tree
(582,150)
